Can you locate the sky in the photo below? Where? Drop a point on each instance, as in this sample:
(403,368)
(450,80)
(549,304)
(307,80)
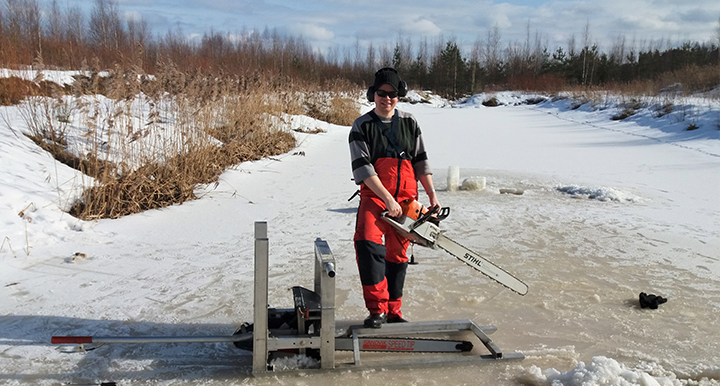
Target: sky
(342,24)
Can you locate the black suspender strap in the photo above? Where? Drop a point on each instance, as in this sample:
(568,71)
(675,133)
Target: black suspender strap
(389,133)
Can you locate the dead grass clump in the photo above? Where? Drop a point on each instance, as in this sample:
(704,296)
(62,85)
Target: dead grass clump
(660,110)
(343,110)
(685,81)
(625,113)
(335,101)
(542,83)
(13,90)
(218,126)
(693,78)
(151,186)
(90,166)
(576,103)
(629,109)
(157,185)
(335,108)
(534,100)
(46,118)
(316,130)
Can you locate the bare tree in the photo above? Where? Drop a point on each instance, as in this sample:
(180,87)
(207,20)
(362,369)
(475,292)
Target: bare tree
(717,36)
(357,57)
(617,51)
(54,22)
(585,51)
(527,45)
(73,28)
(386,56)
(423,57)
(492,52)
(476,53)
(106,28)
(13,21)
(138,31)
(333,55)
(571,46)
(33,31)
(370,58)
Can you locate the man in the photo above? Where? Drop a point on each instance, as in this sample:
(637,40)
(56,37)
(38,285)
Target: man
(388,158)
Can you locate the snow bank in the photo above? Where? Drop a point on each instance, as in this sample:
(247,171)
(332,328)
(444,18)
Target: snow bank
(503,98)
(427,97)
(600,193)
(608,371)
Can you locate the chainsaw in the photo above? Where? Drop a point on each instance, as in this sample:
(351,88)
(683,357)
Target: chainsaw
(421,226)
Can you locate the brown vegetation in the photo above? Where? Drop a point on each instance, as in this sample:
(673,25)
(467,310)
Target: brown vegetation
(220,121)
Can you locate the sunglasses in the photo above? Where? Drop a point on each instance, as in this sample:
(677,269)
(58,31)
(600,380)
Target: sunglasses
(389,94)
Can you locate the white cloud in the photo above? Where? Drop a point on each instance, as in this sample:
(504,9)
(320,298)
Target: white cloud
(422,27)
(133,16)
(312,31)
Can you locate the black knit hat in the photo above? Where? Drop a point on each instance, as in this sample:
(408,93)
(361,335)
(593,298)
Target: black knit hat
(389,76)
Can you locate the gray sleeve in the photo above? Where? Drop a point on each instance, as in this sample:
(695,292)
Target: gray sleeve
(360,153)
(421,167)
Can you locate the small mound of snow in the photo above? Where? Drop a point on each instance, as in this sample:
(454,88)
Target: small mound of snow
(414,96)
(473,183)
(600,194)
(294,362)
(502,98)
(603,371)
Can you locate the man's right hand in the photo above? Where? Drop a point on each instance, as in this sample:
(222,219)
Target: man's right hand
(393,208)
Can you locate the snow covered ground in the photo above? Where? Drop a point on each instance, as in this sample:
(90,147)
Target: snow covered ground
(609,209)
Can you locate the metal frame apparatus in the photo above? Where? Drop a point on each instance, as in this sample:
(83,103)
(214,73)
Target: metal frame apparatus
(307,308)
(320,305)
(312,328)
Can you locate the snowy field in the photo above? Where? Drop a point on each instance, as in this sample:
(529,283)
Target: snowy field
(609,209)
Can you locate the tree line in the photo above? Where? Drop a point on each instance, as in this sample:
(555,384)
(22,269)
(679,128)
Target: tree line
(68,39)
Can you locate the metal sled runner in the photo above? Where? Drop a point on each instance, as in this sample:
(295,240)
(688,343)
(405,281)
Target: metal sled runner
(310,328)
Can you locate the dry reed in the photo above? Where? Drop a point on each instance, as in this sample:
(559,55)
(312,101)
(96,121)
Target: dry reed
(149,141)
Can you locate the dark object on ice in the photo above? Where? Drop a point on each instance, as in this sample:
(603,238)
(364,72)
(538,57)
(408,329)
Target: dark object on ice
(651,301)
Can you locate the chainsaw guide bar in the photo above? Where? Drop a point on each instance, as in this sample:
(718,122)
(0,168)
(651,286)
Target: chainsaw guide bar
(416,225)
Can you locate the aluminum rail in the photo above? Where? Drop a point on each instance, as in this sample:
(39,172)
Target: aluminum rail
(149,339)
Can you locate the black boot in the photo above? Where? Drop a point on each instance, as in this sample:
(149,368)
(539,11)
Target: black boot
(396,319)
(375,320)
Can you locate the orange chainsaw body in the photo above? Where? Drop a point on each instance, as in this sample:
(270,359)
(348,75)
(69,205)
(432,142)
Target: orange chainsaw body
(412,209)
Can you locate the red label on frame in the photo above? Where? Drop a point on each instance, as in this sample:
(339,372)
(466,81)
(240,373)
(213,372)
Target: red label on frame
(389,344)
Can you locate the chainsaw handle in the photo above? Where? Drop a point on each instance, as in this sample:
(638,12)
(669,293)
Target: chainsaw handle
(443,214)
(425,216)
(440,214)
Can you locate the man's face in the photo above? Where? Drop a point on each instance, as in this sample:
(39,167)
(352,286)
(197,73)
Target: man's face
(385,106)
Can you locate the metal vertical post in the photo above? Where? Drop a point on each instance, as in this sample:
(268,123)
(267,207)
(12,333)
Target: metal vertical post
(325,287)
(260,320)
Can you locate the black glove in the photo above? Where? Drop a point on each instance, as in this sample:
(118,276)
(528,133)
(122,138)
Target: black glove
(651,301)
